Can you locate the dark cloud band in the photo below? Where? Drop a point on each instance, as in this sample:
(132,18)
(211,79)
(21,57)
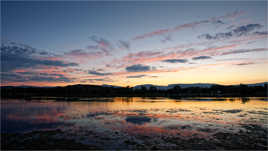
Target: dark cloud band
(176,60)
(138,68)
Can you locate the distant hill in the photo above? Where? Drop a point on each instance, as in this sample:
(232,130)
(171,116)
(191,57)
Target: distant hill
(257,84)
(171,86)
(148,86)
(171,90)
(199,85)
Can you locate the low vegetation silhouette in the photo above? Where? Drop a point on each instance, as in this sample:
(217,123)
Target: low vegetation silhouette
(68,92)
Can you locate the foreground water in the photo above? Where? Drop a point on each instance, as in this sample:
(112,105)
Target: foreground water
(136,123)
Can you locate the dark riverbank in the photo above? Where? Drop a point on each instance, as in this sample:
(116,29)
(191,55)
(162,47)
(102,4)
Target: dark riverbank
(101,91)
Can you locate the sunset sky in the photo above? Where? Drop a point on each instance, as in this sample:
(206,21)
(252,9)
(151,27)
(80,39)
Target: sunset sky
(132,43)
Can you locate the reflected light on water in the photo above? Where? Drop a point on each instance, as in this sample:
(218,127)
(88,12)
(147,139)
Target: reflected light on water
(140,117)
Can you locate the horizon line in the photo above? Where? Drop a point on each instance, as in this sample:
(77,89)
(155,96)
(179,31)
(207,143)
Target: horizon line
(130,86)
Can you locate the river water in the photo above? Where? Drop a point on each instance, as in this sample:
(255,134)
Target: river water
(143,123)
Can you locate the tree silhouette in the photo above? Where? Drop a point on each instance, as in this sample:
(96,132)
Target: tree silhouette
(99,91)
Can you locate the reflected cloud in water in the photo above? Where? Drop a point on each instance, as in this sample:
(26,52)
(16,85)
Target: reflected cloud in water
(134,118)
(138,119)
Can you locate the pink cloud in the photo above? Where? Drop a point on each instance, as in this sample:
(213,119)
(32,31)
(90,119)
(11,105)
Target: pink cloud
(187,25)
(244,51)
(232,15)
(249,38)
(151,34)
(148,57)
(81,55)
(102,44)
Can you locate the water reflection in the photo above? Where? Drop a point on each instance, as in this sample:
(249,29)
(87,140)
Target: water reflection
(245,100)
(116,120)
(21,116)
(138,119)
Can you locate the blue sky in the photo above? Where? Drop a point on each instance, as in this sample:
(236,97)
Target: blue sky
(70,31)
(67,25)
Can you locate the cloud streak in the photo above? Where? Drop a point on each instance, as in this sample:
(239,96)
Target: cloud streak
(136,76)
(83,54)
(188,25)
(93,72)
(97,80)
(17,57)
(138,68)
(34,77)
(124,44)
(176,60)
(244,64)
(150,56)
(237,32)
(102,44)
(201,57)
(239,51)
